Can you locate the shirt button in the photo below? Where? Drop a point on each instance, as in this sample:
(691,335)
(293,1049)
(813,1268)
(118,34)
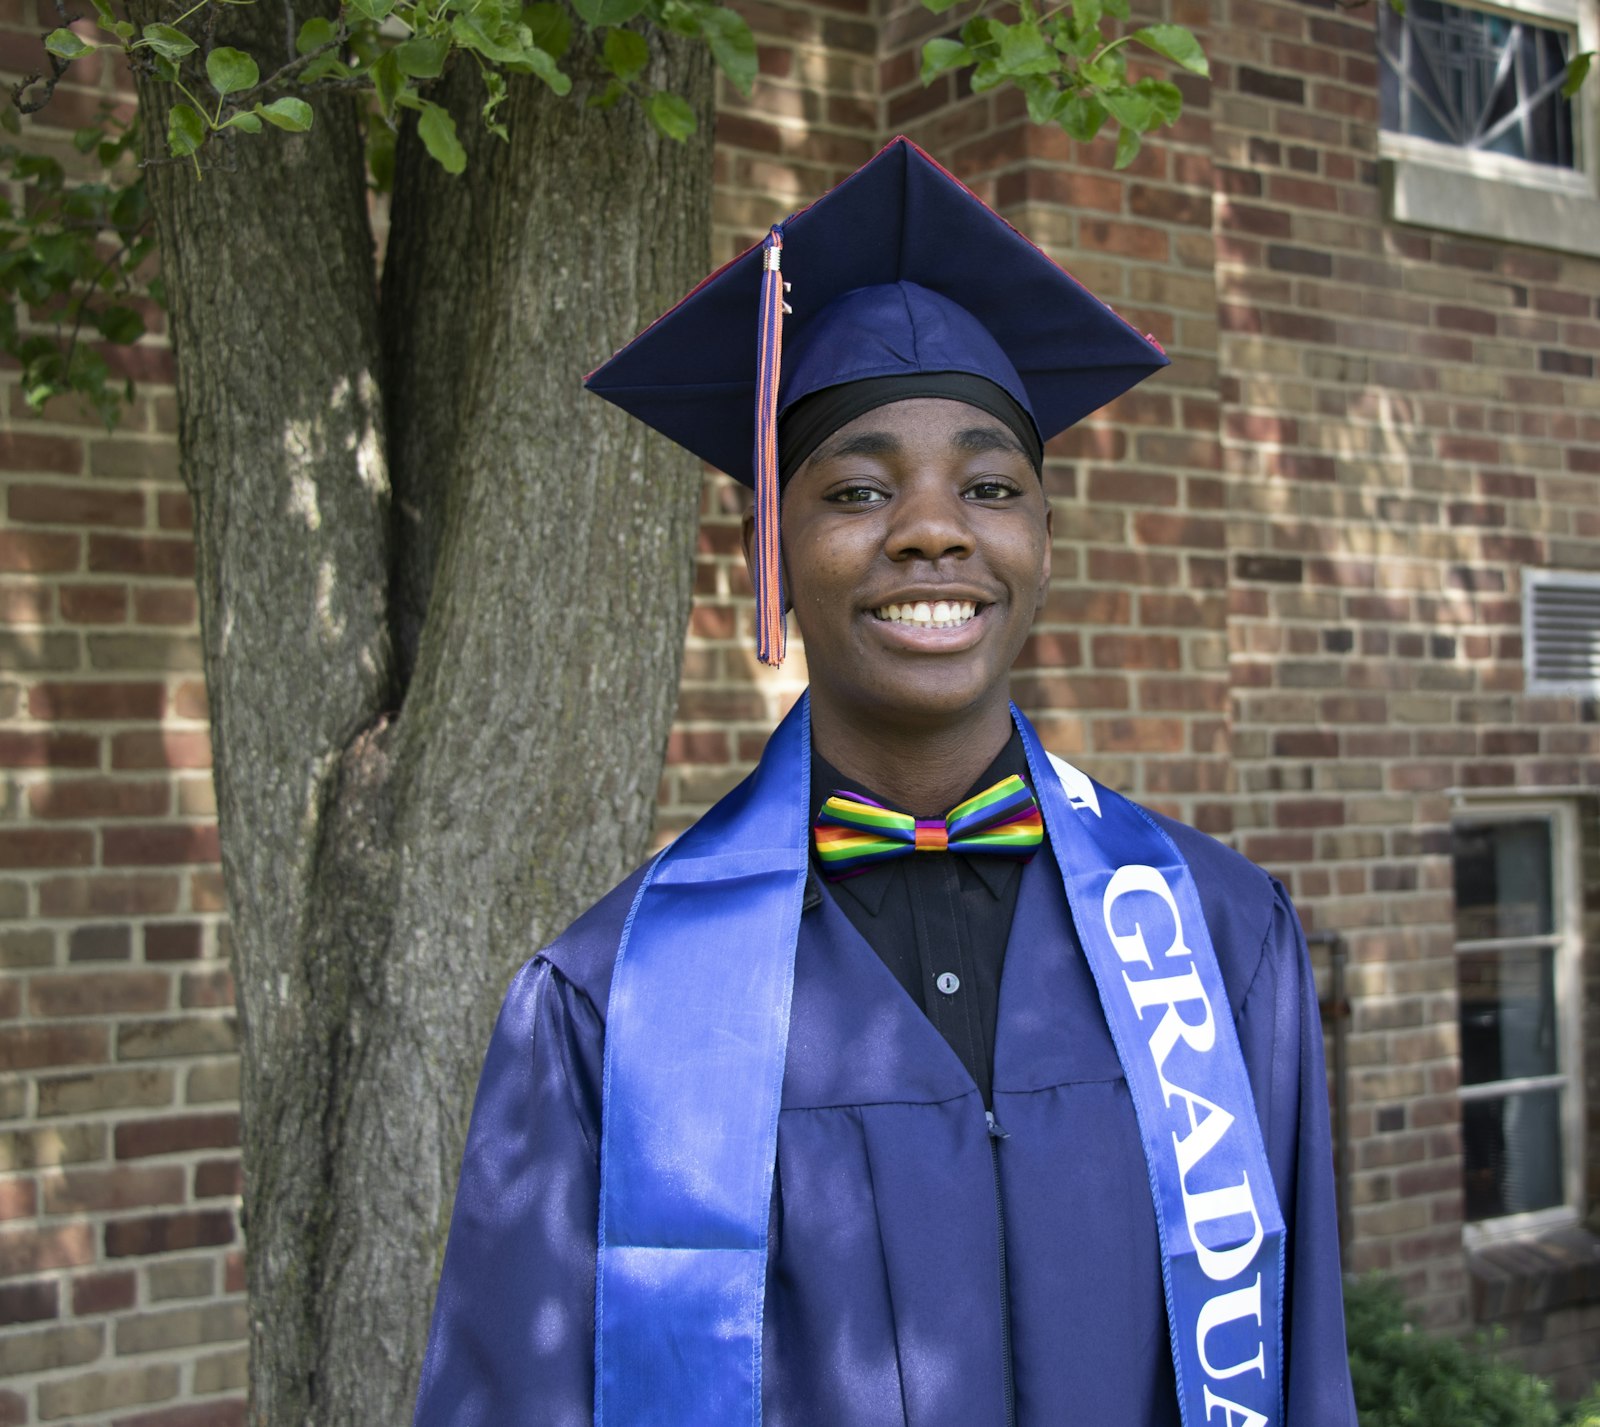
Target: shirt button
(949,983)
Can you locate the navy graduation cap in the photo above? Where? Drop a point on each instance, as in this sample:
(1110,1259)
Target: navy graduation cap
(900,271)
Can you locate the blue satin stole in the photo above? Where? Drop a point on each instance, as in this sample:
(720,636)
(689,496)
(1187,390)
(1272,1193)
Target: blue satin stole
(696,1033)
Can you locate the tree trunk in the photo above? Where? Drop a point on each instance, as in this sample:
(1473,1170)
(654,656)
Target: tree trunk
(439,722)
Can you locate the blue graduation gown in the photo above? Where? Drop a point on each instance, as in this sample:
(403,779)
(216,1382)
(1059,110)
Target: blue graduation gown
(897,1227)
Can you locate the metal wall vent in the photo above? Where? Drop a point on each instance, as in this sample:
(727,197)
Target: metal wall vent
(1561,632)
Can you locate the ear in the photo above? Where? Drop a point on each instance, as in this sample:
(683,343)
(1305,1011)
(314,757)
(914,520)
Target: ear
(747,538)
(1049,544)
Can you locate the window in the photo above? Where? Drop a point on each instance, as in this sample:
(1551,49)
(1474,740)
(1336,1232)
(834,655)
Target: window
(1517,965)
(1476,136)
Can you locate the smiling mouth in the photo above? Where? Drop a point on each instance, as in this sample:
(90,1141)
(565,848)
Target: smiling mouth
(928,614)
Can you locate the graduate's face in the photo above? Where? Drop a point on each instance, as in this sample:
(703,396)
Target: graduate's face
(916,545)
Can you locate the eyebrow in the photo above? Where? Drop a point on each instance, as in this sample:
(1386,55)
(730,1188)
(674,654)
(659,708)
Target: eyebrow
(972,441)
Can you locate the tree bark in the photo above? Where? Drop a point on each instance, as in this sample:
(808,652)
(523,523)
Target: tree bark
(439,720)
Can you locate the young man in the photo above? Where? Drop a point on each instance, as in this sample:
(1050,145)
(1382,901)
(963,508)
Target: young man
(924,1080)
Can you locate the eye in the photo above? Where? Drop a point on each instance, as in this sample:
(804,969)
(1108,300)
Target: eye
(856,493)
(992,488)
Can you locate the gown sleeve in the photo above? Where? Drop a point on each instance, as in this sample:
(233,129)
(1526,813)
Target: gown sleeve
(1317,1369)
(513,1322)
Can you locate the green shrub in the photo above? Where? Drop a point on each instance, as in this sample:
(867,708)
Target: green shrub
(1407,1378)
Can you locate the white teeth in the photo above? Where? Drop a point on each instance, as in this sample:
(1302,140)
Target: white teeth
(940,614)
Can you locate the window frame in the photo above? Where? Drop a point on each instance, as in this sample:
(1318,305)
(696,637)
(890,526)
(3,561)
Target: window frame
(1490,195)
(1566,901)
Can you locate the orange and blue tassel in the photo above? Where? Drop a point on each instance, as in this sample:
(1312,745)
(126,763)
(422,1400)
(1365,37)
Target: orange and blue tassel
(771,633)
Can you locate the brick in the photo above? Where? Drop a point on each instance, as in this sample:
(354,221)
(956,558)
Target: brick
(19,1198)
(98,1293)
(38,552)
(166,1234)
(13,1408)
(28,1302)
(218,1178)
(104,1090)
(22,1354)
(99,993)
(140,1138)
(180,1036)
(48,750)
(1285,88)
(161,653)
(39,1248)
(29,451)
(97,942)
(94,799)
(206,990)
(30,652)
(37,1148)
(25,604)
(159,845)
(34,847)
(227,1413)
(172,941)
(168,748)
(100,1392)
(109,895)
(94,604)
(87,701)
(177,605)
(96,1191)
(140,556)
(30,1047)
(74,505)
(181,1278)
(222,1372)
(181,1327)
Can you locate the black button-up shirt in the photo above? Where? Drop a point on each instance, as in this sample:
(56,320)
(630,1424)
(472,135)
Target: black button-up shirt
(939,920)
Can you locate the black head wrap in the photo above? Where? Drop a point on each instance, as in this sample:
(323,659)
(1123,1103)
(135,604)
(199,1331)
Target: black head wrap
(814,418)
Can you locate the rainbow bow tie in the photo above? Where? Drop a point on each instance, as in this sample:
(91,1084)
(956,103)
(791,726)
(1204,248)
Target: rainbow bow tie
(853,832)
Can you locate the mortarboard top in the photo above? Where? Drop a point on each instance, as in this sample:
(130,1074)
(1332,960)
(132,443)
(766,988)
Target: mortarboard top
(702,377)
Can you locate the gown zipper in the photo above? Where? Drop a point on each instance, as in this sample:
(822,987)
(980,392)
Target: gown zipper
(996,1134)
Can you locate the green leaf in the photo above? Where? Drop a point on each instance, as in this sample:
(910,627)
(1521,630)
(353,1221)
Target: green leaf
(1175,43)
(437,130)
(494,84)
(244,120)
(423,56)
(1165,99)
(292,114)
(551,27)
(940,6)
(607,12)
(940,55)
(380,156)
(1577,72)
(1081,117)
(167,42)
(388,82)
(64,44)
(166,69)
(626,53)
(732,45)
(186,131)
(1128,143)
(607,97)
(1117,8)
(326,66)
(1023,50)
(1087,13)
(545,66)
(105,17)
(375,10)
(670,114)
(231,71)
(1042,95)
(314,34)
(1130,109)
(471,33)
(123,29)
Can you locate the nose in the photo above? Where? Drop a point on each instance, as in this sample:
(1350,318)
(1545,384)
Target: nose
(929,521)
